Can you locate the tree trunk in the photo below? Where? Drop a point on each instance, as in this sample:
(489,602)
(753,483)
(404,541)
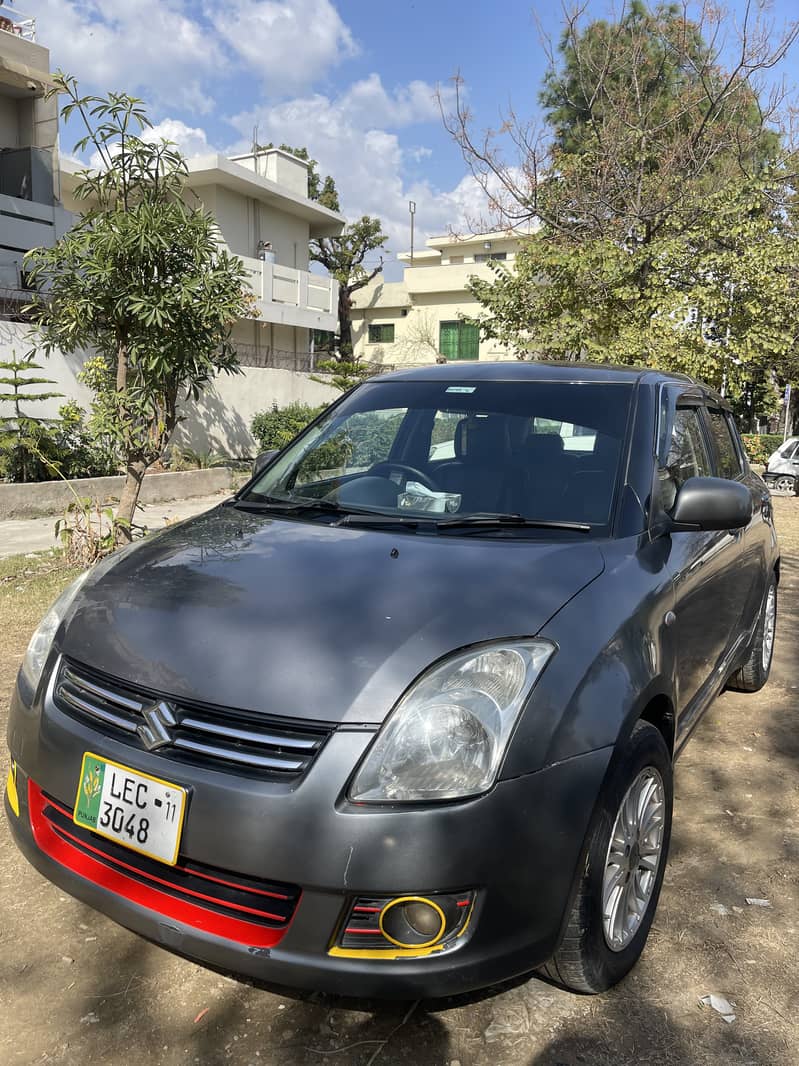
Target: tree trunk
(344,323)
(128,501)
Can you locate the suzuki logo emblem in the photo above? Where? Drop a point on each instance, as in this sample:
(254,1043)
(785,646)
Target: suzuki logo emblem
(154,731)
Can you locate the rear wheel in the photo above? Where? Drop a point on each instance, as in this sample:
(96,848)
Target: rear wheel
(753,675)
(625,863)
(785,483)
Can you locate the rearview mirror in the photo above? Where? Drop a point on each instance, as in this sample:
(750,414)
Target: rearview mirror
(263,460)
(705,503)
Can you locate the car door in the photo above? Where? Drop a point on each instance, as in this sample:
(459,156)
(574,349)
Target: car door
(707,605)
(745,587)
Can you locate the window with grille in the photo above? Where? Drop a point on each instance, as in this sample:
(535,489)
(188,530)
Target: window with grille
(381,333)
(459,340)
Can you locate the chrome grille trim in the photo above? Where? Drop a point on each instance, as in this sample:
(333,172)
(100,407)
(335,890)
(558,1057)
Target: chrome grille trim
(97,690)
(262,761)
(232,733)
(95,712)
(203,735)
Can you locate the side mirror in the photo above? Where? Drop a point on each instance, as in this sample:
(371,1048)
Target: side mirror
(705,503)
(263,460)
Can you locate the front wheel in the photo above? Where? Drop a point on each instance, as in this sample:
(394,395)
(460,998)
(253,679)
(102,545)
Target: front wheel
(624,867)
(753,674)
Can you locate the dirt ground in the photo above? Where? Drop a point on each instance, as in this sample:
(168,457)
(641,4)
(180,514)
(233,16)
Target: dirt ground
(75,988)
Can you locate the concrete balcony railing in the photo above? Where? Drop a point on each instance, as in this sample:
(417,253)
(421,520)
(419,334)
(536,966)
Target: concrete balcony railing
(18,24)
(292,297)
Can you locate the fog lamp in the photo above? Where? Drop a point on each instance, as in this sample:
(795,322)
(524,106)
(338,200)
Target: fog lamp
(413,922)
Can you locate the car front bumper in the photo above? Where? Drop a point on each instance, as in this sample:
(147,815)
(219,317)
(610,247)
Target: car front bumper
(517,848)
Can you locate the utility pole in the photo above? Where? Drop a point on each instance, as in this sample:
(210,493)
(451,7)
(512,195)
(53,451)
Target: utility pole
(787,411)
(412,212)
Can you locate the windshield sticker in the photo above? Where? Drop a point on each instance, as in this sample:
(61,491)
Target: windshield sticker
(461,388)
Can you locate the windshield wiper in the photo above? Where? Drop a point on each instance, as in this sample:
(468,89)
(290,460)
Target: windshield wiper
(375,518)
(501,521)
(293,507)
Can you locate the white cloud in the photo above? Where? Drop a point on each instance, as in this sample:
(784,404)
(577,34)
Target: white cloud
(367,101)
(150,46)
(191,140)
(288,44)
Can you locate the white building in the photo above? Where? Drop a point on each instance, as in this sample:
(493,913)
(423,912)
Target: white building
(30,212)
(261,205)
(262,200)
(422,317)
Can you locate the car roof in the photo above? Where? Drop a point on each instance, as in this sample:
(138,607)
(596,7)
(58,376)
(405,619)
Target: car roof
(538,370)
(551,370)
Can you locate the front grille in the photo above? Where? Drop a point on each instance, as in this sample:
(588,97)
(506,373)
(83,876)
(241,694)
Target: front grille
(202,735)
(232,895)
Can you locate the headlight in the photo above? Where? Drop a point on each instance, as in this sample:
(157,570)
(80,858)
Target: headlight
(42,639)
(446,738)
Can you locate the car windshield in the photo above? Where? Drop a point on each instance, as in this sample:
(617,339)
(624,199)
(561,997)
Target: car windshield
(454,454)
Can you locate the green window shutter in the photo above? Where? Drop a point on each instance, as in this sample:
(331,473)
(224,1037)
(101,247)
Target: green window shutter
(448,339)
(381,333)
(469,341)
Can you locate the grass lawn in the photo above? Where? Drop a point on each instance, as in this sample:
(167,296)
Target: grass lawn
(28,585)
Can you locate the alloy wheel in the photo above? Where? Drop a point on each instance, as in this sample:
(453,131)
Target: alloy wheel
(769,626)
(633,858)
(786,483)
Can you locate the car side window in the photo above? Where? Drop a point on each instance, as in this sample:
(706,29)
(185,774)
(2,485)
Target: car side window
(727,458)
(687,455)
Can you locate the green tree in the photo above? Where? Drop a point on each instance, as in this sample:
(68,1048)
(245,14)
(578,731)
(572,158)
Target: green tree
(658,191)
(721,302)
(142,278)
(344,258)
(17,444)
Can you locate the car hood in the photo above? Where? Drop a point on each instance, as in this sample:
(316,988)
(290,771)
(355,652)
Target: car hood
(309,620)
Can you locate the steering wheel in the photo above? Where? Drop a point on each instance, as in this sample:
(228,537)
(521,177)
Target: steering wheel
(409,472)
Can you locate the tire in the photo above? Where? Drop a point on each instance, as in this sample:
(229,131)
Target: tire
(585,961)
(753,673)
(785,483)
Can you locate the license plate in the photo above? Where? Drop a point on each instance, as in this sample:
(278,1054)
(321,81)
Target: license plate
(144,813)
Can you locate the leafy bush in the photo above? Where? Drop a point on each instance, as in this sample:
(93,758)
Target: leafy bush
(36,450)
(275,428)
(759,446)
(189,459)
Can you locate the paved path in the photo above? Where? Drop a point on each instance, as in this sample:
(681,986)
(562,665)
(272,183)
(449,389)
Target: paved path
(37,534)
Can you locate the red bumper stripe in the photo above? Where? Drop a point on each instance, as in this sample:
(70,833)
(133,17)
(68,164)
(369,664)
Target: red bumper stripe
(192,872)
(61,851)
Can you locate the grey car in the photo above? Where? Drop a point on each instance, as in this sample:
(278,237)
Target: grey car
(399,719)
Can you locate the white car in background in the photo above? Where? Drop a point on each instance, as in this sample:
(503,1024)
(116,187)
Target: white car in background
(782,470)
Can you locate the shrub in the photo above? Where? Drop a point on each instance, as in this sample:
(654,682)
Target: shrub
(759,446)
(40,451)
(275,428)
(189,459)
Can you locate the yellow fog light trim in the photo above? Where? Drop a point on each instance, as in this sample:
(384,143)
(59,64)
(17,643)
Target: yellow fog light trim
(413,899)
(11,789)
(387,955)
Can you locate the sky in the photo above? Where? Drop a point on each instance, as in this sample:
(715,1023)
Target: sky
(354,81)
